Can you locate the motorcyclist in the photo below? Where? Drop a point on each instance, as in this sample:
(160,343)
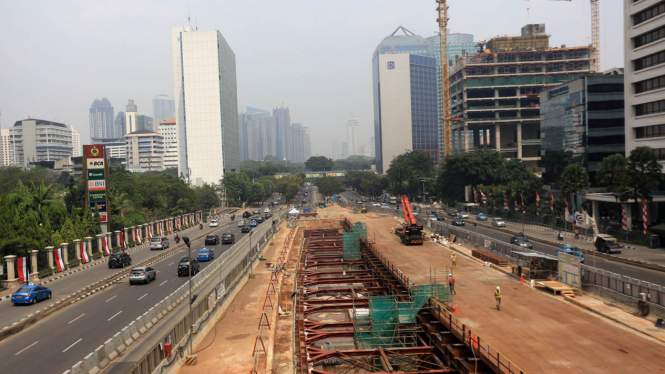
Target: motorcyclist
(559,235)
(233,217)
(201,226)
(176,236)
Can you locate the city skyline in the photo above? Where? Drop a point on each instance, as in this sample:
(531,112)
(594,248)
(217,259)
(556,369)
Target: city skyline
(256,85)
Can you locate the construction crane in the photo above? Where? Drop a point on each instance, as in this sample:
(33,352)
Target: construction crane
(595,33)
(442,8)
(411,231)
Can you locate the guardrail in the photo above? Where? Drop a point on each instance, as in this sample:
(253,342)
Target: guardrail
(181,332)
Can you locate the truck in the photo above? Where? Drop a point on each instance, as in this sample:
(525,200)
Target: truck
(411,231)
(393,199)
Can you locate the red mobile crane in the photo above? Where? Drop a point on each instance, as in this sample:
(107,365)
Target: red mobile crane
(411,231)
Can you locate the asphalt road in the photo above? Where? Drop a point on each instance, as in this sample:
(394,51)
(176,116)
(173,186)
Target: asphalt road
(54,344)
(66,286)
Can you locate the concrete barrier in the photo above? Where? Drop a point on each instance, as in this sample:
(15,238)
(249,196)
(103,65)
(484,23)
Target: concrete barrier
(140,325)
(134,331)
(127,336)
(147,320)
(78,368)
(171,302)
(161,308)
(102,359)
(119,343)
(90,363)
(109,349)
(153,315)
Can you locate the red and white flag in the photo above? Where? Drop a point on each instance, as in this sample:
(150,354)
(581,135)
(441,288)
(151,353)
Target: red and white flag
(475,196)
(105,246)
(523,204)
(59,259)
(83,246)
(552,204)
(624,218)
(22,269)
(517,207)
(177,224)
(123,239)
(159,228)
(149,231)
(537,197)
(569,217)
(644,215)
(137,236)
(505,202)
(482,196)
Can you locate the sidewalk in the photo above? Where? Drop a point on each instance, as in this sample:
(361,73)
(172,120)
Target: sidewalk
(537,331)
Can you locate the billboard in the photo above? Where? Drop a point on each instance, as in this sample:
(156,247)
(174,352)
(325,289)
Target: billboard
(570,269)
(95,172)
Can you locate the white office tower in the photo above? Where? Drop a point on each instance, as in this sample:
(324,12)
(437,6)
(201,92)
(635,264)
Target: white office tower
(77,151)
(352,136)
(206,100)
(7,159)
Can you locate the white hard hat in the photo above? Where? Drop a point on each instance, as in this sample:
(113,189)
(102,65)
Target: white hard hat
(497,287)
(450,275)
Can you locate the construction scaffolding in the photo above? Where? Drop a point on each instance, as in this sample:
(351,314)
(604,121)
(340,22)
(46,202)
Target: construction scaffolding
(388,322)
(351,241)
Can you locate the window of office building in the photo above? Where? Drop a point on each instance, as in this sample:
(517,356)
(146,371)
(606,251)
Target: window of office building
(649,13)
(650,108)
(660,153)
(650,84)
(649,37)
(649,131)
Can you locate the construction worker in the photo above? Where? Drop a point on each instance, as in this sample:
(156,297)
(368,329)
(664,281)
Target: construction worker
(451,284)
(497,296)
(454,258)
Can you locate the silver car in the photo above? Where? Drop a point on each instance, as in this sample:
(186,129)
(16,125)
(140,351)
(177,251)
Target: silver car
(498,222)
(241,223)
(463,215)
(142,274)
(159,242)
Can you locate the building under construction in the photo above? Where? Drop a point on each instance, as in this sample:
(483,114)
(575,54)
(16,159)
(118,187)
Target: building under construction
(494,95)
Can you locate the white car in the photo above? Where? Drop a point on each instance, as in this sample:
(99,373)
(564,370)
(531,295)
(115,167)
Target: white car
(386,206)
(266,210)
(214,223)
(498,222)
(376,204)
(463,215)
(241,223)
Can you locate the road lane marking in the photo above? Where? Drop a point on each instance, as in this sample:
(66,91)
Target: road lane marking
(24,349)
(111,299)
(172,263)
(76,342)
(636,271)
(76,318)
(114,316)
(164,282)
(143,296)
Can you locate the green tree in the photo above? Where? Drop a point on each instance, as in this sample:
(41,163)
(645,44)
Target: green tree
(237,187)
(574,180)
(554,161)
(207,196)
(406,170)
(329,186)
(256,193)
(319,163)
(483,166)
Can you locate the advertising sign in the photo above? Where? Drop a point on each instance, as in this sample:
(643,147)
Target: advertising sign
(96,174)
(95,163)
(97,196)
(96,185)
(212,300)
(221,291)
(570,269)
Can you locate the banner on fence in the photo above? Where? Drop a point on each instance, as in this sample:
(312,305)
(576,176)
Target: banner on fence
(59,260)
(212,300)
(22,269)
(221,291)
(570,269)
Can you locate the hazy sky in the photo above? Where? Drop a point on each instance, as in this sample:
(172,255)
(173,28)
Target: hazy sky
(313,56)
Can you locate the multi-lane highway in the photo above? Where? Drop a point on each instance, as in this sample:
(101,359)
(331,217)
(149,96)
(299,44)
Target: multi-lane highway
(62,339)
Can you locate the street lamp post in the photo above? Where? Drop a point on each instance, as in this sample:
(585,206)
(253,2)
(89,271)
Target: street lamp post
(191,297)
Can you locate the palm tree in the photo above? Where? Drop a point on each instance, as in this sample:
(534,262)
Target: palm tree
(40,196)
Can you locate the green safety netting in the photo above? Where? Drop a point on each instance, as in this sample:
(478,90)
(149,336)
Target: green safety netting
(351,241)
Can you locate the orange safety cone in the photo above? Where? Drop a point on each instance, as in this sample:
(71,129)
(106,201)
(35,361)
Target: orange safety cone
(456,310)
(375,242)
(522,278)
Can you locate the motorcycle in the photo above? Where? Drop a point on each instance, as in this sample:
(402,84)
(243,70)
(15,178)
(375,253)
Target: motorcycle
(233,217)
(201,226)
(559,236)
(177,239)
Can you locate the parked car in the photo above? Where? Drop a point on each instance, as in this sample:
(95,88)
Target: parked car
(376,204)
(252,223)
(521,241)
(159,242)
(228,239)
(205,255)
(184,266)
(440,216)
(458,222)
(463,215)
(452,213)
(607,243)
(31,294)
(245,228)
(214,223)
(246,214)
(212,239)
(266,210)
(385,206)
(142,274)
(571,250)
(481,217)
(498,222)
(119,260)
(241,223)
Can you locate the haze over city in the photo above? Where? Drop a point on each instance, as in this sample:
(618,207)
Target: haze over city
(313,57)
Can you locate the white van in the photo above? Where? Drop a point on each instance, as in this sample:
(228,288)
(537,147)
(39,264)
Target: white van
(214,223)
(159,242)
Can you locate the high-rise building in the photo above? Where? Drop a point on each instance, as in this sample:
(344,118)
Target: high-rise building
(35,140)
(7,147)
(207,105)
(115,148)
(244,131)
(163,108)
(167,129)
(77,151)
(135,121)
(145,151)
(496,94)
(120,124)
(644,61)
(102,125)
(405,107)
(369,149)
(263,138)
(283,127)
(300,146)
(344,152)
(458,45)
(585,117)
(308,144)
(352,136)
(131,107)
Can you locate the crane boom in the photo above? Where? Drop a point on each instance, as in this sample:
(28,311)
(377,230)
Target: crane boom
(411,231)
(408,214)
(442,8)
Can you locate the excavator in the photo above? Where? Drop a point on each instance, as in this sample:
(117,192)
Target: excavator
(411,231)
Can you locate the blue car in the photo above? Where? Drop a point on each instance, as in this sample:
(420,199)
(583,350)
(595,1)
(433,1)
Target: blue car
(252,223)
(481,217)
(571,250)
(31,294)
(205,255)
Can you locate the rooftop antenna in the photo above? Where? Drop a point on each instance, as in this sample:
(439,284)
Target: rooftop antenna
(196,21)
(189,21)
